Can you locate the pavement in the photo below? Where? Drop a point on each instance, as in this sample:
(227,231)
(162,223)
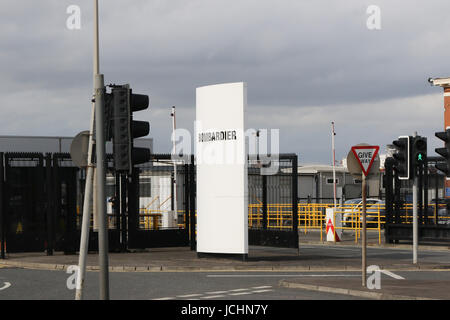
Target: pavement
(389,289)
(375,239)
(312,256)
(307,258)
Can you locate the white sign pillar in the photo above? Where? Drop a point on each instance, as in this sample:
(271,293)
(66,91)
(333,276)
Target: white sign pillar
(222,194)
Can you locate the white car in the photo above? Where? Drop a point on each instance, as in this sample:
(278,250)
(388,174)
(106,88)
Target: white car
(353,208)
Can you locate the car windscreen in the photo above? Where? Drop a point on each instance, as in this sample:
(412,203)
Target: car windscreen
(353,201)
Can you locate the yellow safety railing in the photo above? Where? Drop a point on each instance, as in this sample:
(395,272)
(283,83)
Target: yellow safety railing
(311,216)
(151,219)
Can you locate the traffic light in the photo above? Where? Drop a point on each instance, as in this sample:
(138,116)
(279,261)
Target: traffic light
(418,152)
(403,166)
(125,129)
(444,152)
(108,117)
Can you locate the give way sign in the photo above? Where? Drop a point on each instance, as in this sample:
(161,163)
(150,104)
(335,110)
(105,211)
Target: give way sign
(365,156)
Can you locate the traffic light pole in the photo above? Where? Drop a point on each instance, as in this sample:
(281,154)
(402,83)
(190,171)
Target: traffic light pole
(415,209)
(99,91)
(84,239)
(415,222)
(101,181)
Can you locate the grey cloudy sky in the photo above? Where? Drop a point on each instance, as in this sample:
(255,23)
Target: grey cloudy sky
(306,63)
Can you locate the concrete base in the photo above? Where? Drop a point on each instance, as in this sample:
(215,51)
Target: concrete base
(233,256)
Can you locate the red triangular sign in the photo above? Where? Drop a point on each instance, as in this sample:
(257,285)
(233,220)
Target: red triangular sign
(365,156)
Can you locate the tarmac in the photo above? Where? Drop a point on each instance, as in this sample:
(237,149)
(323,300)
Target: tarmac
(312,256)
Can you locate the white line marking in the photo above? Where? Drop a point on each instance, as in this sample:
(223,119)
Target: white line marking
(190,295)
(216,292)
(393,275)
(165,298)
(262,290)
(6,286)
(214,297)
(278,275)
(239,293)
(239,290)
(262,287)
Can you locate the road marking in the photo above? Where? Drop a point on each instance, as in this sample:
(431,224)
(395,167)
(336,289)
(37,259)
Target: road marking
(221,294)
(393,275)
(262,290)
(239,293)
(214,297)
(6,286)
(233,290)
(278,275)
(190,295)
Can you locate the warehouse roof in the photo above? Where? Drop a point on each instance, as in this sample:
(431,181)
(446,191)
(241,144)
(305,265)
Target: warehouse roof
(316,168)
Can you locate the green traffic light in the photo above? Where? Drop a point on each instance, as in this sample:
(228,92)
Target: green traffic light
(419,157)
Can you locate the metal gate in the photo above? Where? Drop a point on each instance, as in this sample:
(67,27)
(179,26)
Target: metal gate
(67,185)
(273,209)
(41,201)
(23,208)
(62,197)
(433,215)
(150,202)
(152,221)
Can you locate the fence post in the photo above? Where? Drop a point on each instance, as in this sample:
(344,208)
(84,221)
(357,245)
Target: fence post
(123,211)
(192,193)
(425,193)
(295,193)
(379,224)
(2,207)
(133,206)
(264,199)
(295,199)
(186,197)
(51,202)
(116,205)
(397,200)
(436,196)
(389,190)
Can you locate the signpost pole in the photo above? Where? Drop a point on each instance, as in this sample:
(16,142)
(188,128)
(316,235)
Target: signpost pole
(84,239)
(364,234)
(334,178)
(364,155)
